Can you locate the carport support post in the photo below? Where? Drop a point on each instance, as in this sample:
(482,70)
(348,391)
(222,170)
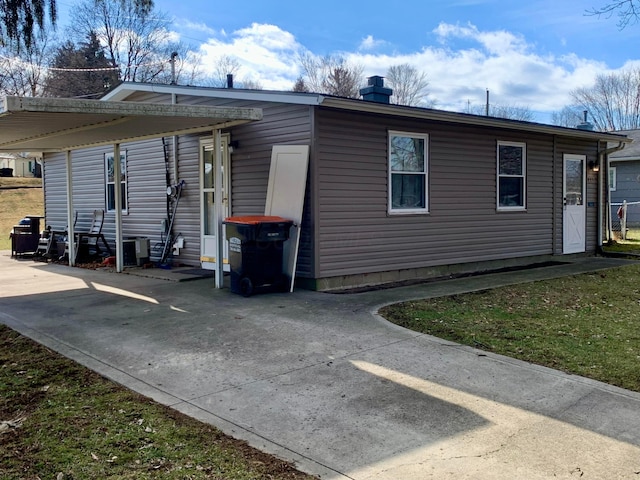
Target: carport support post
(217,200)
(117,193)
(70,212)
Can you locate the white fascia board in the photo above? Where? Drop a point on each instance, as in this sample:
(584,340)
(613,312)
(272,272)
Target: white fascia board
(125,89)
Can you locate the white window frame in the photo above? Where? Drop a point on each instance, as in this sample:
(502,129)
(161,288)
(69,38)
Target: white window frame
(425,173)
(523,175)
(123,181)
(613,179)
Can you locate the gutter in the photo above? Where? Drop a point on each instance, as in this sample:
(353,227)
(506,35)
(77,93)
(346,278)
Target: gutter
(603,163)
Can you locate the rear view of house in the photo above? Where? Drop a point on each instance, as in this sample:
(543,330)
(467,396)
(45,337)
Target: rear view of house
(393,193)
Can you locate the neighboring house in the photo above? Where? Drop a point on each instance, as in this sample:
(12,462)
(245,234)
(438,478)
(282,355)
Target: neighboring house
(624,178)
(21,165)
(393,193)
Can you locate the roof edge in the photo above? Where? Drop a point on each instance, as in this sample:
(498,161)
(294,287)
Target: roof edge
(469,119)
(125,89)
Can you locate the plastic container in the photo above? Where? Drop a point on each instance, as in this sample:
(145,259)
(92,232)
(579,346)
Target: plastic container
(255,253)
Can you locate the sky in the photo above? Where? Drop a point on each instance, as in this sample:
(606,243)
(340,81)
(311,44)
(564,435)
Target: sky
(527,53)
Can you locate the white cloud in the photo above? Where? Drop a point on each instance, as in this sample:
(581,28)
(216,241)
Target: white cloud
(370,43)
(467,61)
(267,54)
(198,27)
(461,65)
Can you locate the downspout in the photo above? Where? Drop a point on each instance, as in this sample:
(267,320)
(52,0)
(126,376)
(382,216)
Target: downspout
(174,101)
(603,163)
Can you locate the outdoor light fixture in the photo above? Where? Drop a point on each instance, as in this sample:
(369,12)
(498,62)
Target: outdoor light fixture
(594,166)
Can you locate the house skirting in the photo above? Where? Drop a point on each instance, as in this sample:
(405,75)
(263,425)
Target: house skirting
(415,275)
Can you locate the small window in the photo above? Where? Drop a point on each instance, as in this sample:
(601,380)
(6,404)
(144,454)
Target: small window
(512,180)
(612,179)
(408,167)
(110,186)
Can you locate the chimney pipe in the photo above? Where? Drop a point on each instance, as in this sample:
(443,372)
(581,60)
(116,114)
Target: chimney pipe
(229,80)
(585,125)
(173,67)
(376,91)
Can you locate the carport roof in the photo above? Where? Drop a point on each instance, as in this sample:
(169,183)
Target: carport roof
(60,124)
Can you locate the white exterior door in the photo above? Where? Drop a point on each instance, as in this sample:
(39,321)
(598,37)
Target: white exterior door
(209,220)
(574,211)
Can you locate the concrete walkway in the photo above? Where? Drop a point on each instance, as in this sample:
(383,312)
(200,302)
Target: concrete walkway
(319,379)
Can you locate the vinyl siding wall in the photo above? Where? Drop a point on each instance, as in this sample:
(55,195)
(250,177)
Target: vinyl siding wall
(250,163)
(282,124)
(146,188)
(355,233)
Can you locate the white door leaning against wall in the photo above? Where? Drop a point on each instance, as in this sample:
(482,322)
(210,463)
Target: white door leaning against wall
(208,220)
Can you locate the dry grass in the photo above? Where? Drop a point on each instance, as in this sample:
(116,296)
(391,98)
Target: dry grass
(63,421)
(15,203)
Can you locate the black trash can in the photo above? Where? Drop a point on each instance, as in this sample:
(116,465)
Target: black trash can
(255,253)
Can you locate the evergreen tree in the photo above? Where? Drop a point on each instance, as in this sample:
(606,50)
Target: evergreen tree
(82,71)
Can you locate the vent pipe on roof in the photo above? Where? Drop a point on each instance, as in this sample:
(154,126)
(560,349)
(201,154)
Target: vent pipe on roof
(229,80)
(173,67)
(585,125)
(376,91)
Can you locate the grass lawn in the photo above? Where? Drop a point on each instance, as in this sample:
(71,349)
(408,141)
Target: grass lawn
(15,203)
(629,245)
(585,324)
(60,421)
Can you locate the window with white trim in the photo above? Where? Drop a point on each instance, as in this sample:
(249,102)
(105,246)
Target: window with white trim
(110,186)
(613,183)
(408,172)
(512,175)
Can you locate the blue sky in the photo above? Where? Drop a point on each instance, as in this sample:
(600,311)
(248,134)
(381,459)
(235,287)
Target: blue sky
(527,53)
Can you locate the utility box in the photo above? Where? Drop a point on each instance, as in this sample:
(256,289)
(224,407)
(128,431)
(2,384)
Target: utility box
(255,253)
(143,250)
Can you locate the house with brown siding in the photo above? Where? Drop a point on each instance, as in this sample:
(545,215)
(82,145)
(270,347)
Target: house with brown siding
(393,192)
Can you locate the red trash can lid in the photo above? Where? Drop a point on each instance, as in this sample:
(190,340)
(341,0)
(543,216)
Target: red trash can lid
(256,219)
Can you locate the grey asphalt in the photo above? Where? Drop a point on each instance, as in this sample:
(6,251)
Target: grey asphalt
(321,380)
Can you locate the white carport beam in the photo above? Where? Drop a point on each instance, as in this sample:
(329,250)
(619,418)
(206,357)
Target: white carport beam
(117,193)
(71,234)
(217,199)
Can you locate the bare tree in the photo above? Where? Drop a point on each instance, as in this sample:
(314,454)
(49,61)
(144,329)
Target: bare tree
(627,11)
(511,112)
(251,84)
(23,71)
(570,116)
(331,75)
(300,86)
(223,66)
(409,86)
(613,102)
(135,38)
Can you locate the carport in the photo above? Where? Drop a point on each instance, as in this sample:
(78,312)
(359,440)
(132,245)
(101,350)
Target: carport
(63,125)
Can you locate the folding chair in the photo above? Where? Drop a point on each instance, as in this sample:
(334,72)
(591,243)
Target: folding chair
(86,243)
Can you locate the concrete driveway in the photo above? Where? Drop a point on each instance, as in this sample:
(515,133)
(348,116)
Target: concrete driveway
(320,380)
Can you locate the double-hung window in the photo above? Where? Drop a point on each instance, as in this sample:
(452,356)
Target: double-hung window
(408,172)
(110,185)
(512,176)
